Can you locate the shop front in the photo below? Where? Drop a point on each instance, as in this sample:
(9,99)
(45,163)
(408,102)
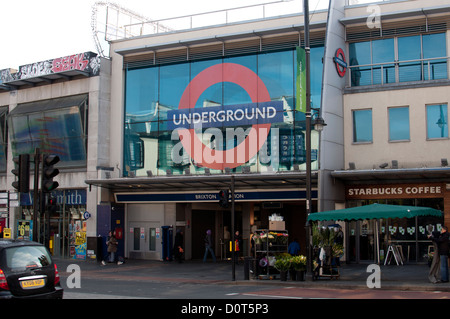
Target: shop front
(62,225)
(409,235)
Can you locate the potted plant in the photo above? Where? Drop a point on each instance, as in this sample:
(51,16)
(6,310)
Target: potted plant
(282,264)
(299,265)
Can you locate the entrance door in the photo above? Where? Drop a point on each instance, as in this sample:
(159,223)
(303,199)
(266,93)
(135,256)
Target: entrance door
(144,241)
(202,220)
(362,240)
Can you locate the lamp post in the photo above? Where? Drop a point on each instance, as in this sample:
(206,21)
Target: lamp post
(319,123)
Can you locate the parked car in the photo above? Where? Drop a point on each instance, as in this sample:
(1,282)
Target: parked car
(27,271)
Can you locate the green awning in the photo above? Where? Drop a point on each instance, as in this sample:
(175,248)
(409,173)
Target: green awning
(375,211)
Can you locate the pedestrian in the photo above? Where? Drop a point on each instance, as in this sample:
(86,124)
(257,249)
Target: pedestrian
(294,248)
(443,250)
(237,245)
(208,246)
(111,244)
(178,246)
(435,270)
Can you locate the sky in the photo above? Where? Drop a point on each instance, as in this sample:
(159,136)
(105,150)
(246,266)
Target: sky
(38,30)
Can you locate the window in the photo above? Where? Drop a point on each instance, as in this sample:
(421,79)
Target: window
(419,58)
(398,123)
(434,46)
(437,121)
(362,126)
(382,52)
(57,126)
(409,50)
(152,239)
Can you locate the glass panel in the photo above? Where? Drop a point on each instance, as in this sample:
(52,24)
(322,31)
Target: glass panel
(316,76)
(152,239)
(409,48)
(141,95)
(437,121)
(136,238)
(398,123)
(434,46)
(383,51)
(362,126)
(360,55)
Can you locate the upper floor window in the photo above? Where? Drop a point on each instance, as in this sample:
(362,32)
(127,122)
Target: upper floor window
(398,123)
(399,59)
(362,126)
(57,126)
(437,121)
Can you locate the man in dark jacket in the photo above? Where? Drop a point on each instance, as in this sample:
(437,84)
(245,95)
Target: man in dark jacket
(443,250)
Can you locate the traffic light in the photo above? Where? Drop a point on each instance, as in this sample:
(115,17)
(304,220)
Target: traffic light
(223,198)
(51,205)
(22,184)
(48,172)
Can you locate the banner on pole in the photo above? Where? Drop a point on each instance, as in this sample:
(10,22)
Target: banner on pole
(300,104)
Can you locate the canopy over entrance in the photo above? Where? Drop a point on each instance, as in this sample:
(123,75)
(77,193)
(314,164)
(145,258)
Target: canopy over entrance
(375,211)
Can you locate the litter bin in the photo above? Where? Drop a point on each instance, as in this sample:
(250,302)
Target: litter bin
(248,266)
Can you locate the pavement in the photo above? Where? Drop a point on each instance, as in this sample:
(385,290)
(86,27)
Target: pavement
(413,277)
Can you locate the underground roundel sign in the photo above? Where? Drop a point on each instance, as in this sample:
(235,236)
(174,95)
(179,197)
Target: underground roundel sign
(339,61)
(256,116)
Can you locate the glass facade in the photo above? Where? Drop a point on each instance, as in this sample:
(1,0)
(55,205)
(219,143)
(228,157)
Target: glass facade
(399,59)
(56,126)
(235,111)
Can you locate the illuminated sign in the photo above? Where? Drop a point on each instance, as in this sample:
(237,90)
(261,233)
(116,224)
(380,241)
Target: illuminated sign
(339,61)
(252,114)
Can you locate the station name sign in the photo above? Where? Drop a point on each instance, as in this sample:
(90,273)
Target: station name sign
(226,116)
(429,190)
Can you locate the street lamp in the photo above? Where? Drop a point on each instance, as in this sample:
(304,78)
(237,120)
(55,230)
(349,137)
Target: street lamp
(319,124)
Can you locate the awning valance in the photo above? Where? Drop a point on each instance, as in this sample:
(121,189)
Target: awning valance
(375,211)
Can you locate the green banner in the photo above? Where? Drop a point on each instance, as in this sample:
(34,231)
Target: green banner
(301,81)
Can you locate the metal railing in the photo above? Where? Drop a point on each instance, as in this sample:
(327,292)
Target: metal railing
(211,18)
(398,71)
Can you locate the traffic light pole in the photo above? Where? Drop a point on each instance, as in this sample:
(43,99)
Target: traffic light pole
(233,237)
(36,207)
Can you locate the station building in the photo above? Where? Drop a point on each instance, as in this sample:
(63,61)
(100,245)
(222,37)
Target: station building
(194,111)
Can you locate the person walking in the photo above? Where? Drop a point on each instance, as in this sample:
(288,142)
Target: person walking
(208,246)
(294,248)
(443,250)
(435,270)
(178,246)
(111,248)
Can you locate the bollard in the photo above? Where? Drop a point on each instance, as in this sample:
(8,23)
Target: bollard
(247,261)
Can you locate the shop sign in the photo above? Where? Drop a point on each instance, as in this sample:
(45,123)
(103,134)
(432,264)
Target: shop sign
(87,62)
(208,197)
(389,191)
(339,61)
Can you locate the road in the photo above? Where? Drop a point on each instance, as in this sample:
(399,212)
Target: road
(112,285)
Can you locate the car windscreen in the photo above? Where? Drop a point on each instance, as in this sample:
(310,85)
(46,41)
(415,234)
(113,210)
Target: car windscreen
(26,257)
